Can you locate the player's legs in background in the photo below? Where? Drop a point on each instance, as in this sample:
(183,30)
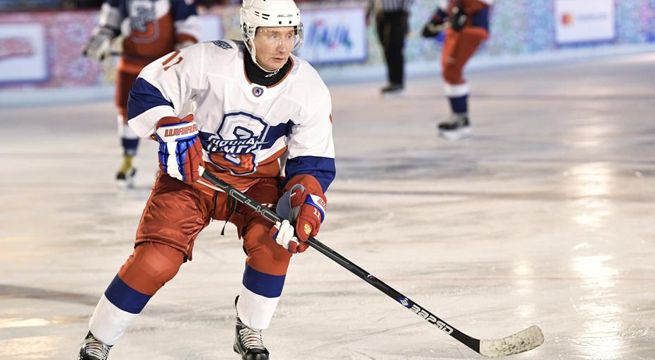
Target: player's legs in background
(458,48)
(129,139)
(392,30)
(263,278)
(384,26)
(383,30)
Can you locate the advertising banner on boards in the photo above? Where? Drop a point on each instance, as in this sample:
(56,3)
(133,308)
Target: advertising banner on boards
(584,21)
(23,55)
(334,35)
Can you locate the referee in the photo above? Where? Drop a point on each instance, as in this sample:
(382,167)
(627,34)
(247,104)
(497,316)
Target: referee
(391,18)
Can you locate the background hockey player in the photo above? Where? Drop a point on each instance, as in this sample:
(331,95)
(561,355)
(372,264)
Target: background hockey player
(246,112)
(466,23)
(143,30)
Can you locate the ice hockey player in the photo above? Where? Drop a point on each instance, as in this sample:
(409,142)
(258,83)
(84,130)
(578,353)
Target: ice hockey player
(248,112)
(466,23)
(142,31)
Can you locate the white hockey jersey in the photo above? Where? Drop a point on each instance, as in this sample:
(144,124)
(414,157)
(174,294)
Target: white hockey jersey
(248,131)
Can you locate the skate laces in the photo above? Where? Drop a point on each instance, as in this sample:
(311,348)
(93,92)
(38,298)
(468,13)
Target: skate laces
(251,338)
(95,349)
(458,120)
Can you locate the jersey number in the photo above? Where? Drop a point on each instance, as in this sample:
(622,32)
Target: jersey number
(172,60)
(243,164)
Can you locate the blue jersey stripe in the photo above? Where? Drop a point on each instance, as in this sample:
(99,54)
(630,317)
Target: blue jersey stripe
(276,132)
(322,168)
(126,298)
(266,285)
(143,97)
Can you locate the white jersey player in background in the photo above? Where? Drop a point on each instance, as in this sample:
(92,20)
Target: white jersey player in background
(253,115)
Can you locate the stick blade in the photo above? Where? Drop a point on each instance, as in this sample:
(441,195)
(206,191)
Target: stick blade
(522,341)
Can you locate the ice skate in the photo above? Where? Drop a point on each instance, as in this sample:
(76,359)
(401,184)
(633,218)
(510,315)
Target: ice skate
(392,90)
(248,342)
(457,127)
(126,173)
(93,349)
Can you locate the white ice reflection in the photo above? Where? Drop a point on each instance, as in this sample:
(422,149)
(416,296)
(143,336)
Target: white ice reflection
(591,136)
(15,323)
(595,273)
(524,284)
(601,337)
(589,184)
(29,348)
(524,272)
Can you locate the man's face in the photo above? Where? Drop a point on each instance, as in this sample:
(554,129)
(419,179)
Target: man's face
(274,46)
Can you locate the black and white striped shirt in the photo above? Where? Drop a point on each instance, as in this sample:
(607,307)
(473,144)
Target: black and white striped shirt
(393,5)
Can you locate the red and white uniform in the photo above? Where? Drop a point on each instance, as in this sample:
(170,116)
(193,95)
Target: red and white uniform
(252,136)
(459,46)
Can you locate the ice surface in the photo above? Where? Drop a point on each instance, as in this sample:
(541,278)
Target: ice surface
(544,217)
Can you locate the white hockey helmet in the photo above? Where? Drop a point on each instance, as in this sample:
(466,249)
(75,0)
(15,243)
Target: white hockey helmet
(268,13)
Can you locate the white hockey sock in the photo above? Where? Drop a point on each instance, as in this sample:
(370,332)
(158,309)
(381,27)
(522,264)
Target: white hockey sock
(254,310)
(108,322)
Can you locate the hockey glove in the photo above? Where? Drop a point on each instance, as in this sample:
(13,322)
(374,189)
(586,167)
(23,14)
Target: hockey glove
(99,46)
(435,25)
(180,150)
(457,18)
(284,234)
(303,205)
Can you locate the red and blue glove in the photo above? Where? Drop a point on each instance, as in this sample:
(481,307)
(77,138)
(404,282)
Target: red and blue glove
(436,24)
(180,150)
(457,18)
(303,209)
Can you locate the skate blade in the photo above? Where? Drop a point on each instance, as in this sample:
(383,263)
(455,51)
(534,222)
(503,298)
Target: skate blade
(392,95)
(456,134)
(127,182)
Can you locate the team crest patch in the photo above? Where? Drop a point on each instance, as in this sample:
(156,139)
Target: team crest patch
(257,91)
(222,44)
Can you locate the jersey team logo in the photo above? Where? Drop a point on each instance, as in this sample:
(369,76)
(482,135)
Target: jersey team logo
(143,21)
(236,142)
(257,91)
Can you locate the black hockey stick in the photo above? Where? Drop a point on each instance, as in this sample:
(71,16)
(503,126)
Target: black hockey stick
(524,340)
